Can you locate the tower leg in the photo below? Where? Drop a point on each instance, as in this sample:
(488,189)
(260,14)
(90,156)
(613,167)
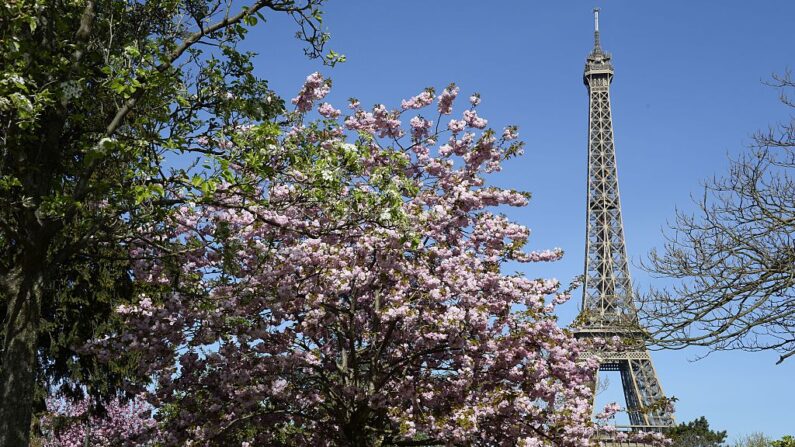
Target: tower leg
(631,394)
(643,391)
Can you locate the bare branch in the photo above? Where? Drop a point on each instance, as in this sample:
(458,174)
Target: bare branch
(734,258)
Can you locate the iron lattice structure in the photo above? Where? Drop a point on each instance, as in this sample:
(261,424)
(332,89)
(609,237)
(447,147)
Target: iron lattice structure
(608,308)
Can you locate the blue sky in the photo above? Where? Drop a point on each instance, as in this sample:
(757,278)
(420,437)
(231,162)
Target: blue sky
(687,92)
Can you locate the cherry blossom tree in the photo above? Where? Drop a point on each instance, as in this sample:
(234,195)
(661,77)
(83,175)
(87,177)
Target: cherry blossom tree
(345,286)
(76,424)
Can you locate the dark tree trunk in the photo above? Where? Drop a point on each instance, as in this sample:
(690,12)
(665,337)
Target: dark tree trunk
(37,167)
(18,368)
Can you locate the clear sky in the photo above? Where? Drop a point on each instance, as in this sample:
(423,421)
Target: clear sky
(687,92)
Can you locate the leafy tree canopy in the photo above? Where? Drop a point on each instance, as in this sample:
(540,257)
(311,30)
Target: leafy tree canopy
(104,105)
(696,433)
(786,441)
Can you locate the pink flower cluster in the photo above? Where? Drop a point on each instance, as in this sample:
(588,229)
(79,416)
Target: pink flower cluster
(417,102)
(510,133)
(328,111)
(380,122)
(72,424)
(419,127)
(446,99)
(315,88)
(473,120)
(609,411)
(456,126)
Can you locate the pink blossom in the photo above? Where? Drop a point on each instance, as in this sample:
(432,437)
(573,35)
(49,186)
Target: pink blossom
(510,133)
(446,99)
(419,127)
(328,111)
(609,411)
(279,386)
(71,424)
(456,126)
(417,102)
(473,120)
(315,88)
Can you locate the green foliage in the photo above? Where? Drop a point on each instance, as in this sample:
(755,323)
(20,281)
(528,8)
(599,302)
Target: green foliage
(696,433)
(786,441)
(107,107)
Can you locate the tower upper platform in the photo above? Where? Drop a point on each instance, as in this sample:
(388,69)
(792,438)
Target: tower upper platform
(598,63)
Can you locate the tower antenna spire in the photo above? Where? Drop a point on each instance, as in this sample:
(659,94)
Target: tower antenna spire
(596,28)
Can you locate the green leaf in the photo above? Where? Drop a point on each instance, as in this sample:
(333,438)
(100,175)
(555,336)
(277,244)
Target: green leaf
(117,86)
(132,51)
(158,189)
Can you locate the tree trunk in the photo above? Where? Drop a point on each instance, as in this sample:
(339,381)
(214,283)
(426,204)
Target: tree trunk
(18,367)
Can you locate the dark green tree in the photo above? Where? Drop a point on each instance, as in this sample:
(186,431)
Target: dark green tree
(696,433)
(786,441)
(106,107)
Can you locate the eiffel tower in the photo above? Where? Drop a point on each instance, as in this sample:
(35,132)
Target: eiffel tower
(608,309)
